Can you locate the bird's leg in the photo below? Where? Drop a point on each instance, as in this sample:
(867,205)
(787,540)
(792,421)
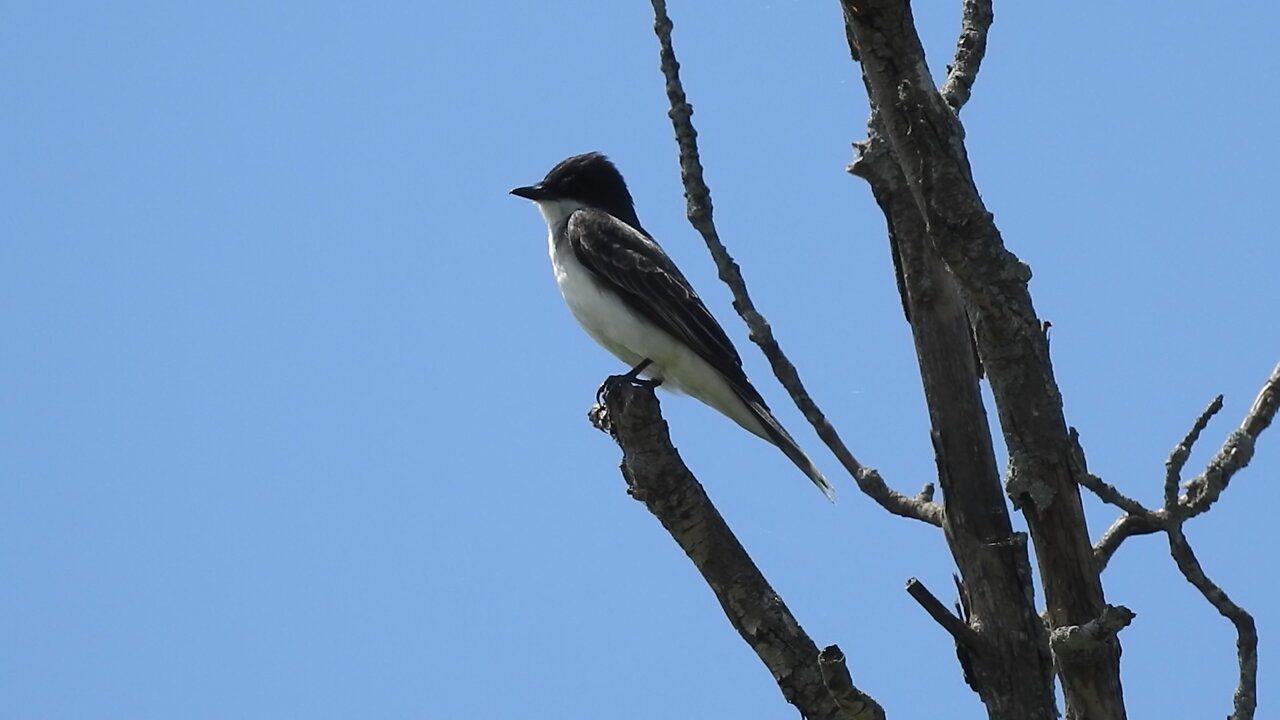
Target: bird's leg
(632,377)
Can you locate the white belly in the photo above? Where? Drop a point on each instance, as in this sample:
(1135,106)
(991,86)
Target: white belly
(631,338)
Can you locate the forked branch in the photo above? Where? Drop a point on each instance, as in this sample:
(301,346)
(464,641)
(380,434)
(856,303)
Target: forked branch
(1201,492)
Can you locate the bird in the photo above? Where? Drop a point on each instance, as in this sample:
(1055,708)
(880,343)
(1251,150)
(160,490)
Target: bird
(628,295)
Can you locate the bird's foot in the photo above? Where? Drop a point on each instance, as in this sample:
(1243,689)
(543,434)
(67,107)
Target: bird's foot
(633,378)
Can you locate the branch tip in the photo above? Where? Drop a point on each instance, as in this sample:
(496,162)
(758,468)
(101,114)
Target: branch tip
(971,46)
(961,632)
(1235,453)
(1075,642)
(1182,451)
(855,704)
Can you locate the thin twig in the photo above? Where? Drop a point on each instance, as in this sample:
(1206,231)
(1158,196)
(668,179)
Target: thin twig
(1203,490)
(1235,453)
(1109,494)
(1245,699)
(1106,492)
(1178,457)
(970,48)
(1124,527)
(1136,520)
(699,210)
(961,632)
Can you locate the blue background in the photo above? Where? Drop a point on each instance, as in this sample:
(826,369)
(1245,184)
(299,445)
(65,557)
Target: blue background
(294,418)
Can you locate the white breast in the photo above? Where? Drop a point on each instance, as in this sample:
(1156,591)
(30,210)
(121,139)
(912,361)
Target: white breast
(631,338)
(605,317)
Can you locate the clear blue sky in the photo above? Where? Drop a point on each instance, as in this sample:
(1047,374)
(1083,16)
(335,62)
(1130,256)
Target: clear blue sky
(294,418)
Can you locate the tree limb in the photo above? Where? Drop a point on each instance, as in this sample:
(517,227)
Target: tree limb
(1235,453)
(1008,662)
(1201,491)
(1178,457)
(928,142)
(1123,528)
(1245,699)
(1107,493)
(698,198)
(657,476)
(970,49)
(856,704)
(1079,642)
(959,629)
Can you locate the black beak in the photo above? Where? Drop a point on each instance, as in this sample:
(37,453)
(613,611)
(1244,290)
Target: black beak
(532,192)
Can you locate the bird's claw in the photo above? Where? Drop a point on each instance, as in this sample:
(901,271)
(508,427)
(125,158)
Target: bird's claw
(632,377)
(613,380)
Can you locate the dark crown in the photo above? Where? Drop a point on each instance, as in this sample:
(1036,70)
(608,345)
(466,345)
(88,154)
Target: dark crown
(592,179)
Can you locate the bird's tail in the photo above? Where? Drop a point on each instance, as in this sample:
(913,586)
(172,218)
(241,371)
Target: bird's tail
(774,433)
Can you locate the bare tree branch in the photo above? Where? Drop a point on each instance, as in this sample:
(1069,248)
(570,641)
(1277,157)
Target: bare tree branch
(1235,453)
(1124,527)
(1264,406)
(1014,677)
(1012,673)
(657,476)
(1178,457)
(927,141)
(1203,490)
(698,198)
(1201,493)
(856,704)
(959,630)
(1083,640)
(1108,493)
(970,48)
(1245,699)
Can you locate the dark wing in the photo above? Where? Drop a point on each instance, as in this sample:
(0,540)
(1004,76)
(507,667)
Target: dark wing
(638,269)
(635,266)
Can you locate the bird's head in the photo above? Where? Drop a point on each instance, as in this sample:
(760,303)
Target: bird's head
(587,180)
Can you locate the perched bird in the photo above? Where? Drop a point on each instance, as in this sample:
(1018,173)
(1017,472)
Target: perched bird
(630,297)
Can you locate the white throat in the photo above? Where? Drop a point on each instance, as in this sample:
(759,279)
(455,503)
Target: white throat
(557,212)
